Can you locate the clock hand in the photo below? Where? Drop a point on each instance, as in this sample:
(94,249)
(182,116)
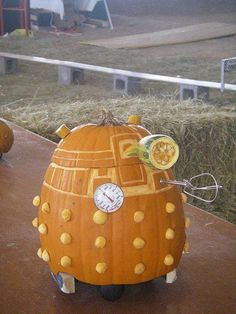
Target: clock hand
(107,196)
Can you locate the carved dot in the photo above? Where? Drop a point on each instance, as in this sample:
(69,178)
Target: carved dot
(40,252)
(63,131)
(43,229)
(186,247)
(65,238)
(99,217)
(184,198)
(187,222)
(101,268)
(170,208)
(45,256)
(65,261)
(45,208)
(35,222)
(169,260)
(100,242)
(134,119)
(139,216)
(138,243)
(139,269)
(170,234)
(36,201)
(66,215)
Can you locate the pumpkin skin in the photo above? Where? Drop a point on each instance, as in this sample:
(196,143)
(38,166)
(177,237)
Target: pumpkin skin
(6,137)
(140,241)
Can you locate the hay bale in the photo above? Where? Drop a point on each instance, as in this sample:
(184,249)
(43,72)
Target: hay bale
(205,133)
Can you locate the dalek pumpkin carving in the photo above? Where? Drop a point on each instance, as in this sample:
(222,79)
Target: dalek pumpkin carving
(109,213)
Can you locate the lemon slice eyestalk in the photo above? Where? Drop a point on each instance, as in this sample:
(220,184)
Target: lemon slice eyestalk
(156,151)
(163,152)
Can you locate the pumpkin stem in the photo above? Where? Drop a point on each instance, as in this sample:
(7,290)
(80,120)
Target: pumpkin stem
(109,119)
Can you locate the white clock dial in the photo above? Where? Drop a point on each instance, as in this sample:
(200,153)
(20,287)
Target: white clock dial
(108,197)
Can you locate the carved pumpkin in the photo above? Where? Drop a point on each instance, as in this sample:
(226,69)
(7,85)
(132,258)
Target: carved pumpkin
(104,217)
(6,137)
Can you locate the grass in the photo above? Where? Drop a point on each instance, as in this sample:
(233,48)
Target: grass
(39,81)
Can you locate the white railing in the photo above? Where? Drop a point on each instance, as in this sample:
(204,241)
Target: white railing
(146,76)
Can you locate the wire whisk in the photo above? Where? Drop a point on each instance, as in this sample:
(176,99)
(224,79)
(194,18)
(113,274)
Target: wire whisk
(189,188)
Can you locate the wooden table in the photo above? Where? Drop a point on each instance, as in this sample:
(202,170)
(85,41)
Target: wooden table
(206,281)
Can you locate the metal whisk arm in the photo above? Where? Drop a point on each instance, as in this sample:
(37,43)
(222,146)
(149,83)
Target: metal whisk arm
(189,188)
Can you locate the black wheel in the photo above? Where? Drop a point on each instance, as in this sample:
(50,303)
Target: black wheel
(111,292)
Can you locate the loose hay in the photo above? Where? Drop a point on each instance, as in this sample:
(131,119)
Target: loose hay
(205,134)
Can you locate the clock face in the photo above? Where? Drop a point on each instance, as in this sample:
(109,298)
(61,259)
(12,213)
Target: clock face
(108,197)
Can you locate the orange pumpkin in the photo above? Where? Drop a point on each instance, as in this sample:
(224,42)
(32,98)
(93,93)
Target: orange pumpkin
(104,217)
(6,137)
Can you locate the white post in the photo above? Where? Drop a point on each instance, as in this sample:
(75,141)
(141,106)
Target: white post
(171,276)
(108,14)
(222,76)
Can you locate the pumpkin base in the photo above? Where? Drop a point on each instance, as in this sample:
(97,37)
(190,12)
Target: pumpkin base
(111,292)
(171,277)
(65,282)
